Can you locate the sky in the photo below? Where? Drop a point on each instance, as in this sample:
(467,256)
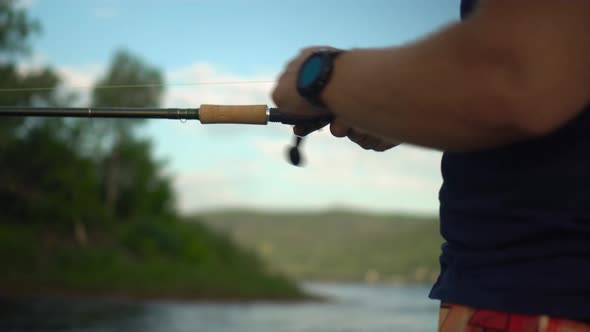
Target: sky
(241,166)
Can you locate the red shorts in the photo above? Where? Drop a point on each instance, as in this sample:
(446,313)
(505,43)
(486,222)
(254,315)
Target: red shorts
(458,318)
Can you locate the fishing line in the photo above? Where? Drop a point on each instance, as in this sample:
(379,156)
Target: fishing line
(206,113)
(133,86)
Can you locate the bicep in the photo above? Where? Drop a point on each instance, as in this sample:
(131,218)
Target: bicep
(546,49)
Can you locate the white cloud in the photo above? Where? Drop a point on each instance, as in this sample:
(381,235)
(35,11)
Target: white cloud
(192,95)
(81,77)
(26,4)
(245,166)
(331,159)
(337,172)
(354,174)
(35,62)
(181,90)
(197,190)
(80,80)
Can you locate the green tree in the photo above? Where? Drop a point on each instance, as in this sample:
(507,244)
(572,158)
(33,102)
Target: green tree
(133,186)
(47,173)
(15,28)
(129,82)
(145,194)
(43,178)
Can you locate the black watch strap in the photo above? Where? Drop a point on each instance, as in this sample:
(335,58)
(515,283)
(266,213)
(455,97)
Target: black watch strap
(313,93)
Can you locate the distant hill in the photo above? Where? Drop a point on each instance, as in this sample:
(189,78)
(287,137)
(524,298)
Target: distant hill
(338,245)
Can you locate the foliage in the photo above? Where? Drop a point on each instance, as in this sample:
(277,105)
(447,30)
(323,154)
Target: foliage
(37,164)
(46,172)
(85,208)
(144,192)
(137,83)
(133,185)
(15,28)
(47,183)
(142,260)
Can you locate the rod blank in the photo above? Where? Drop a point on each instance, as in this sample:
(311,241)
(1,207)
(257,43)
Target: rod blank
(103,112)
(242,114)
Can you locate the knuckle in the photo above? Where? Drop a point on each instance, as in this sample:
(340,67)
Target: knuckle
(291,64)
(276,96)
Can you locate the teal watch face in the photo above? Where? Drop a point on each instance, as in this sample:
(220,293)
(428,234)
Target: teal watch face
(310,71)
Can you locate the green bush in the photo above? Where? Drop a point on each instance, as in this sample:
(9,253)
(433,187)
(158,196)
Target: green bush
(170,258)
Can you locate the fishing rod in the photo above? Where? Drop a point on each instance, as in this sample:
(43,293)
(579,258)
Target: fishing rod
(206,114)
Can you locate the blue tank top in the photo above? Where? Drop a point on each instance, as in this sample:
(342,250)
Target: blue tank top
(516,224)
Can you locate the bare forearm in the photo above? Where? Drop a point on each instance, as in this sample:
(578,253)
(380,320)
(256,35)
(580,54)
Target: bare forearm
(490,80)
(440,92)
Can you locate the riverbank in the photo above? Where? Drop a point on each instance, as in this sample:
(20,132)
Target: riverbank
(160,260)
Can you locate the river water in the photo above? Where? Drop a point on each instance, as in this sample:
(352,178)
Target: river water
(351,307)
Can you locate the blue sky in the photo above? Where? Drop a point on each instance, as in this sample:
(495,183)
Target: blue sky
(219,166)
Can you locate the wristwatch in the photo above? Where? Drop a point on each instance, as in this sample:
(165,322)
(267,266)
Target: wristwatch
(314,75)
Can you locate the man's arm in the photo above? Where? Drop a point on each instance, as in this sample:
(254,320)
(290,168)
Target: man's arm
(512,71)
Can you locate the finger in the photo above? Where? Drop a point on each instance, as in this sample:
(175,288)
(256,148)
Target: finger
(368,142)
(277,96)
(371,143)
(304,130)
(339,128)
(356,136)
(381,147)
(384,145)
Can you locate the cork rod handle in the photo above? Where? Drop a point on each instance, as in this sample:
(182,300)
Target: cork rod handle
(245,114)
